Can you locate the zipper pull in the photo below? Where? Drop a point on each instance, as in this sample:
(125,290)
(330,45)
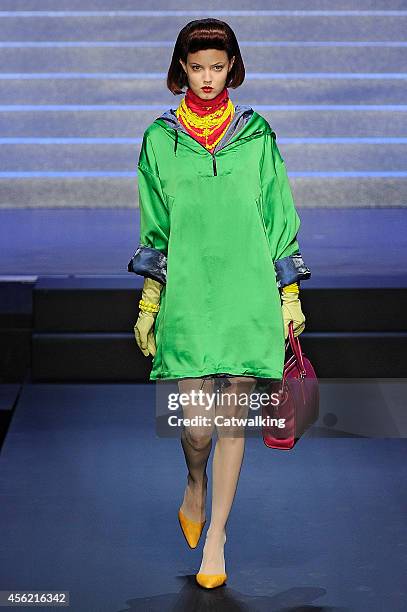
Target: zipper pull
(215,173)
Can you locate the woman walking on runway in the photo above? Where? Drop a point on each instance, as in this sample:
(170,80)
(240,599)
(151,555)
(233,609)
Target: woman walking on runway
(219,252)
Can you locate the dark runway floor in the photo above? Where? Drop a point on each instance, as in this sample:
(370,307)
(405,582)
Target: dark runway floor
(90,497)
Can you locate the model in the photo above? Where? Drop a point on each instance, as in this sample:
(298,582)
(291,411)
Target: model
(219,252)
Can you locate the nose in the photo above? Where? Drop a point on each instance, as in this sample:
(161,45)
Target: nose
(207,79)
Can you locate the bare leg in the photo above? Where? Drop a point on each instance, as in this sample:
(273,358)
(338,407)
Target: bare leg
(227,462)
(196,442)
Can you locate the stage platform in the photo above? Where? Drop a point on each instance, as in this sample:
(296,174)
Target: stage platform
(68,303)
(344,248)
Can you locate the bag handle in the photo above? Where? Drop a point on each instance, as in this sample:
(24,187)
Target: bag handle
(296,348)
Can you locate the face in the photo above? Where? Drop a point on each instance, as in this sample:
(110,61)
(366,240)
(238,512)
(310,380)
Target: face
(208,67)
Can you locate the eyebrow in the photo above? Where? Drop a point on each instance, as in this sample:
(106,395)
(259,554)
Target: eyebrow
(215,64)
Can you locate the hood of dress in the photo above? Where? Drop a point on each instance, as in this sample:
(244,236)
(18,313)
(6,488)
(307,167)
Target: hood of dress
(245,121)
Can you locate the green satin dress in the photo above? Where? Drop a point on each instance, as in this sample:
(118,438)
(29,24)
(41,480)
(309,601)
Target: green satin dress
(222,220)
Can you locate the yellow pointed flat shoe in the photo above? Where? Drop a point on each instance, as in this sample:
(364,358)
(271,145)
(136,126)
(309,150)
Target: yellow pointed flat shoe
(210,581)
(191,530)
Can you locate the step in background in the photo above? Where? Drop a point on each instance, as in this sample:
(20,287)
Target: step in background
(79,85)
(81,329)
(84,331)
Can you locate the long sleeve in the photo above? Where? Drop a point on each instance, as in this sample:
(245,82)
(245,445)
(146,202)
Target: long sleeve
(150,259)
(280,217)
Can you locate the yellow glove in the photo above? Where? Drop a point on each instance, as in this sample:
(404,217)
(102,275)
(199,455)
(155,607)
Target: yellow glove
(149,306)
(291,307)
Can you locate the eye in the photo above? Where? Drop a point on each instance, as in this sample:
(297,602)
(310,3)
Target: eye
(220,67)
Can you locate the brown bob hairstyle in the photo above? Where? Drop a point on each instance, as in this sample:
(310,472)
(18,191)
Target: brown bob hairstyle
(204,34)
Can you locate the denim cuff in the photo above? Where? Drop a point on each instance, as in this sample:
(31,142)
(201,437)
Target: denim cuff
(149,262)
(290,270)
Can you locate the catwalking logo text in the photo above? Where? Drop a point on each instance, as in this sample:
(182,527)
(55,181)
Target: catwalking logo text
(222,421)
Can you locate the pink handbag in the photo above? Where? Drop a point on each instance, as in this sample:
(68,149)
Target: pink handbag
(295,405)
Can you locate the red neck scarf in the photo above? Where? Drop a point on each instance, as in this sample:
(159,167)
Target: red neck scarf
(192,112)
(203,107)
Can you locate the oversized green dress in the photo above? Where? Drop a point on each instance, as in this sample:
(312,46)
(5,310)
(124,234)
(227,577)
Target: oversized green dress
(219,222)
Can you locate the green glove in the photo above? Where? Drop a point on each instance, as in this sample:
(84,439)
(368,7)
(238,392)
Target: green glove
(291,307)
(149,306)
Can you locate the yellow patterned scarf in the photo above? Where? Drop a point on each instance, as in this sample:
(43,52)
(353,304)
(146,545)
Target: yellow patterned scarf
(206,120)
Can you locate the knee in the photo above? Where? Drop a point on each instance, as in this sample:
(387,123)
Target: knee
(231,437)
(197,437)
